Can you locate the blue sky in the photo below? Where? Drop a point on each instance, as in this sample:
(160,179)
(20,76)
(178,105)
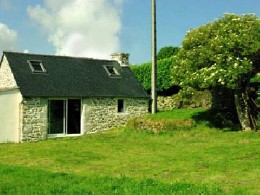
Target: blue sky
(97,28)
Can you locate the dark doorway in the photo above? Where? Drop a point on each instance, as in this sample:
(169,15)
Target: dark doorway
(56,116)
(73,116)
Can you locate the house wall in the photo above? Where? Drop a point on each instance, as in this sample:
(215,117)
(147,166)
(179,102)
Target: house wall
(9,115)
(101,113)
(7,79)
(34,119)
(97,114)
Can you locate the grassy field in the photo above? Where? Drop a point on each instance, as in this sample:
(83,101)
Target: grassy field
(201,160)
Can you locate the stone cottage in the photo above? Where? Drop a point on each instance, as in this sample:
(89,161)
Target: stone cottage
(44,96)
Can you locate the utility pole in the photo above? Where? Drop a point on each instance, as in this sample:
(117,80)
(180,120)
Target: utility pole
(154,63)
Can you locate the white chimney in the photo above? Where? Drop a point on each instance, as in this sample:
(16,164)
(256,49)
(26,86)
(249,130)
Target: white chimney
(121,58)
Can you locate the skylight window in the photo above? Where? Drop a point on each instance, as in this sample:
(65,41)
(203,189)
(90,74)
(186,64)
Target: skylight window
(36,66)
(112,71)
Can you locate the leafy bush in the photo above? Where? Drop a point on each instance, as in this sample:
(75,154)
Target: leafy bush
(143,74)
(167,52)
(194,98)
(224,53)
(164,80)
(255,79)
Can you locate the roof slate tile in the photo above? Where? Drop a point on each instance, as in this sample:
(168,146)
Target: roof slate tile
(72,77)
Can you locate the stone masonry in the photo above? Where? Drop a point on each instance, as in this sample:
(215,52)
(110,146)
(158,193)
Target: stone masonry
(101,113)
(97,114)
(7,79)
(34,119)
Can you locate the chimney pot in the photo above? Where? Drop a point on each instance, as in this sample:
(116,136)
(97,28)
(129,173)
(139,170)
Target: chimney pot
(121,58)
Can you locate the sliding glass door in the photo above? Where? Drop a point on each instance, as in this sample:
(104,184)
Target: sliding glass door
(73,116)
(56,116)
(64,116)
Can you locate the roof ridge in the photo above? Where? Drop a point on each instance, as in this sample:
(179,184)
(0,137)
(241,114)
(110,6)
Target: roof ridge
(52,55)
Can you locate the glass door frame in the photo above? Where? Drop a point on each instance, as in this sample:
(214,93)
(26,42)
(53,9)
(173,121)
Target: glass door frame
(65,118)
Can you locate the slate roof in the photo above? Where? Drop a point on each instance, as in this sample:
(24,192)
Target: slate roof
(72,77)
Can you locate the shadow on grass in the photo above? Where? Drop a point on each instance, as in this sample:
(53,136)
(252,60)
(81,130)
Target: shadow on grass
(217,118)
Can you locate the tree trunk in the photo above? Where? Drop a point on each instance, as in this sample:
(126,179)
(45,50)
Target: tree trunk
(243,109)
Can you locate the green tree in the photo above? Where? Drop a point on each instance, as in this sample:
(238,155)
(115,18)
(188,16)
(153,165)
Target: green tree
(164,80)
(143,73)
(224,53)
(167,52)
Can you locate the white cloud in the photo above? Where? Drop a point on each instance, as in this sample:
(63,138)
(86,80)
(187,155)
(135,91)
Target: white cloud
(80,28)
(8,38)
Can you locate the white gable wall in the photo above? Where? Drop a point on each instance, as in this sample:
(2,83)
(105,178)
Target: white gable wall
(9,115)
(6,76)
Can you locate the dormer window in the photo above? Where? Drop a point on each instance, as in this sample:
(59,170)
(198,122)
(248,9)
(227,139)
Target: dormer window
(37,66)
(112,71)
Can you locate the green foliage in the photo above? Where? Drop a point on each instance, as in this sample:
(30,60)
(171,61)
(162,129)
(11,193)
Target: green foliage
(165,62)
(222,53)
(193,99)
(164,80)
(167,52)
(143,73)
(255,79)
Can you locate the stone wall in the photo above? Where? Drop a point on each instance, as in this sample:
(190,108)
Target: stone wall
(167,103)
(195,100)
(34,119)
(7,79)
(97,114)
(101,113)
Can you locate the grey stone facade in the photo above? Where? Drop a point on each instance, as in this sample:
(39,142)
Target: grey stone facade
(34,119)
(7,79)
(97,114)
(197,99)
(101,113)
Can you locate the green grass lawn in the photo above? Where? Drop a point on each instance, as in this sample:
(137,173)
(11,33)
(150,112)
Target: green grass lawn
(177,114)
(201,160)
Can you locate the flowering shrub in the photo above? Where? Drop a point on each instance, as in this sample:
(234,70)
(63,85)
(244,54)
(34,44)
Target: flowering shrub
(220,53)
(224,54)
